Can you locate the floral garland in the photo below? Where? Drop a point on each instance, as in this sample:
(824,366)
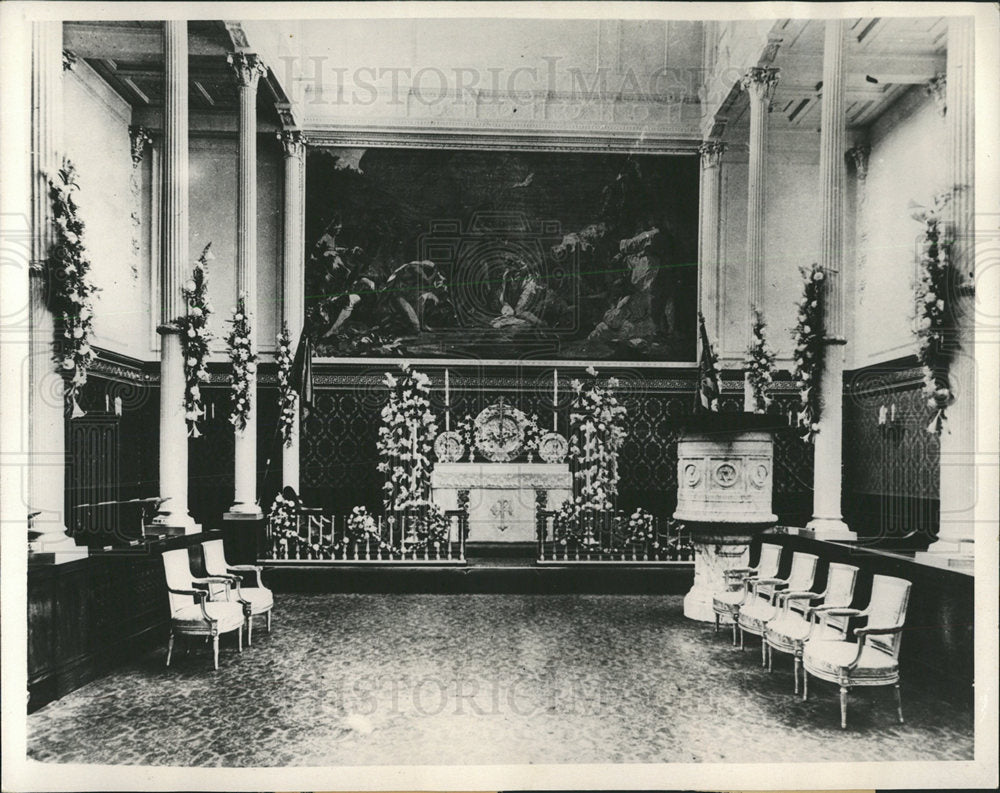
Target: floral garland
(810,348)
(597,435)
(572,526)
(70,290)
(934,320)
(287,396)
(406,439)
(193,328)
(244,361)
(759,363)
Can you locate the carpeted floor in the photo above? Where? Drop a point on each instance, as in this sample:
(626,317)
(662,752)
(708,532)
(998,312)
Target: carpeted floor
(484,679)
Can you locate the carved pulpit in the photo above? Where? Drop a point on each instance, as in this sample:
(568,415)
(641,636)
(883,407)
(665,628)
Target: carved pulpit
(500,484)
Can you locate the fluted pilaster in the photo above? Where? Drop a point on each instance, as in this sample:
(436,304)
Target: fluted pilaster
(46,429)
(959,440)
(827,519)
(293,274)
(175,268)
(248,68)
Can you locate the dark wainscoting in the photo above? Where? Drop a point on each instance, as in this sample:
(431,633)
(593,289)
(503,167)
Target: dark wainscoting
(88,616)
(938,635)
(891,471)
(339,456)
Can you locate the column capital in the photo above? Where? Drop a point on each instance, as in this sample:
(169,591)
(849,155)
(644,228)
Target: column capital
(759,81)
(858,156)
(711,152)
(248,68)
(293,142)
(937,89)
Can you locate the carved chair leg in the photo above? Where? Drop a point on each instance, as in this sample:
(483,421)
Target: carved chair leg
(734,631)
(215,650)
(716,620)
(770,658)
(843,707)
(239,638)
(795,673)
(763,652)
(170,646)
(250,630)
(805,684)
(269,620)
(899,703)
(742,646)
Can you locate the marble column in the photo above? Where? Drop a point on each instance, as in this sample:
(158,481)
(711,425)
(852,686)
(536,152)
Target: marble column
(48,540)
(175,269)
(959,443)
(827,520)
(248,68)
(759,83)
(709,274)
(293,275)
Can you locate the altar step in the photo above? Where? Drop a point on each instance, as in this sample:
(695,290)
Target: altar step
(484,574)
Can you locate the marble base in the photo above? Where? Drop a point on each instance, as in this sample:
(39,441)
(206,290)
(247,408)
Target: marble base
(55,548)
(711,559)
(833,529)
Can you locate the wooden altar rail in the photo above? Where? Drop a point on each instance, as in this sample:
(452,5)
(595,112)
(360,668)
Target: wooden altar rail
(603,537)
(326,539)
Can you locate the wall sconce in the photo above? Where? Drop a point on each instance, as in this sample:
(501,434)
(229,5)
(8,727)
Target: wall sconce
(887,417)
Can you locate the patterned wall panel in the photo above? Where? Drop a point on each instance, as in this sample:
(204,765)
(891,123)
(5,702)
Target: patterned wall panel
(891,470)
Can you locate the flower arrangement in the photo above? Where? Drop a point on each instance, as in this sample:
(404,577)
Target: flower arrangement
(933,315)
(195,338)
(287,396)
(810,348)
(759,364)
(70,290)
(597,435)
(406,438)
(244,361)
(284,524)
(609,532)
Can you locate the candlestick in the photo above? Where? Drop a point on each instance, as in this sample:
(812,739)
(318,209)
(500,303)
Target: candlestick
(107,404)
(555,400)
(413,457)
(447,402)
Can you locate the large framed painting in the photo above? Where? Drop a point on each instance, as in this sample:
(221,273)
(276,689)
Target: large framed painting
(501,255)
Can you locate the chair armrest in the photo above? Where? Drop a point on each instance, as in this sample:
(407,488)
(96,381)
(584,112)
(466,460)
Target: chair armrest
(738,571)
(197,594)
(866,631)
(772,581)
(800,595)
(248,568)
(217,579)
(839,611)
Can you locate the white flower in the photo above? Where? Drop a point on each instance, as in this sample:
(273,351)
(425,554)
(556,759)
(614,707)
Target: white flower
(930,297)
(195,392)
(68,363)
(818,275)
(195,311)
(191,333)
(806,329)
(190,285)
(940,305)
(192,362)
(251,367)
(591,371)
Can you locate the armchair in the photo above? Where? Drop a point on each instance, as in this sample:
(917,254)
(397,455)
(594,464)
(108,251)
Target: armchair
(789,630)
(872,660)
(761,605)
(191,611)
(257,598)
(727,602)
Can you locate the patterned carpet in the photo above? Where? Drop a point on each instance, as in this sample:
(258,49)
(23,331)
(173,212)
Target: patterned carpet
(484,679)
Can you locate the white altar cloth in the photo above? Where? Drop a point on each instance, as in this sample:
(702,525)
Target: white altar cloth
(502,496)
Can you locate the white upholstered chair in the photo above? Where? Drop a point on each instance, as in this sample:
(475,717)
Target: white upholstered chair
(872,660)
(788,631)
(191,611)
(761,605)
(726,603)
(259,597)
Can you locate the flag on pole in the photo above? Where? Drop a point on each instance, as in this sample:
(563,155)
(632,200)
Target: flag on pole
(301,374)
(707,398)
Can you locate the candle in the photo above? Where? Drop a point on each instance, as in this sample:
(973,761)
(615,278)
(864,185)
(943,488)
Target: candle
(881,415)
(107,404)
(555,400)
(892,413)
(413,458)
(447,402)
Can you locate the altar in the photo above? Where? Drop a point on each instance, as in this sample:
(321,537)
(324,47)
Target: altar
(501,497)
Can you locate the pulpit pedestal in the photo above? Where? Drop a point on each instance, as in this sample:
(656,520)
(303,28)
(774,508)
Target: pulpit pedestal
(725,469)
